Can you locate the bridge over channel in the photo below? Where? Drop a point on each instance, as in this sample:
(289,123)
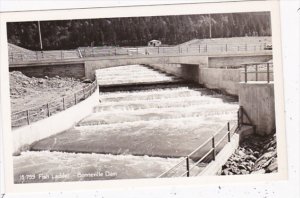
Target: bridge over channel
(85,67)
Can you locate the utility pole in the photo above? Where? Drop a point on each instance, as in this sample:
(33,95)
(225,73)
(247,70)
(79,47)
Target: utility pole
(209,26)
(40,36)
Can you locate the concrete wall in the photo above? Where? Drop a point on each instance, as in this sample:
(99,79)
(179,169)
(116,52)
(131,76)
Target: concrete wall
(223,61)
(226,80)
(214,167)
(54,124)
(75,70)
(257,99)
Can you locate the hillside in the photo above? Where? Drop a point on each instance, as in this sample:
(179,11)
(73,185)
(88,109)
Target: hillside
(137,31)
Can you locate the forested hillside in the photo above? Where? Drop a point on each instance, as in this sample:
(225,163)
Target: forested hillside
(135,31)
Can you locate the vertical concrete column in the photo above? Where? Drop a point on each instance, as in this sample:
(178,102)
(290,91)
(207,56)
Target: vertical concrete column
(257,99)
(89,70)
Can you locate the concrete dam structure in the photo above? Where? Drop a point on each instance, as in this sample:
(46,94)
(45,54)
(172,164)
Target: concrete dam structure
(149,113)
(145,123)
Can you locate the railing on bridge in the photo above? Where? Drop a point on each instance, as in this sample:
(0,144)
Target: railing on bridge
(43,55)
(136,51)
(28,116)
(213,144)
(192,49)
(256,69)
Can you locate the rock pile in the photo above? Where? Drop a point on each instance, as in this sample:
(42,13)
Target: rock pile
(30,93)
(256,155)
(21,85)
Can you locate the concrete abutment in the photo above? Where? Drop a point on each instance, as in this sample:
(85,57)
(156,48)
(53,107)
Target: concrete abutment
(257,100)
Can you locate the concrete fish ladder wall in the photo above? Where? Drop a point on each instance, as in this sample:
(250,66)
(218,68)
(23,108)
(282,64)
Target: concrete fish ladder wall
(257,100)
(26,135)
(227,80)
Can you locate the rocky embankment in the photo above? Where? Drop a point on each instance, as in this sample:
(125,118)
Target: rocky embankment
(255,155)
(26,92)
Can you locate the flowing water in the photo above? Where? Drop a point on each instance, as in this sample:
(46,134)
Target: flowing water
(133,133)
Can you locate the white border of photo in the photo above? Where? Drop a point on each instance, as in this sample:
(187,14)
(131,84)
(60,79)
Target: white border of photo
(229,186)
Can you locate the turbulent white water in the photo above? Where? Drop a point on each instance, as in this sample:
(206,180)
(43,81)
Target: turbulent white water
(141,128)
(130,74)
(155,103)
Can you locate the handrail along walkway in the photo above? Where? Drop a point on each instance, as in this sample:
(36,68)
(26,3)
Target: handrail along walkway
(85,52)
(212,150)
(28,116)
(248,69)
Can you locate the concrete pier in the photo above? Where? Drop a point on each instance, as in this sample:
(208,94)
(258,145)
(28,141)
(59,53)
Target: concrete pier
(257,99)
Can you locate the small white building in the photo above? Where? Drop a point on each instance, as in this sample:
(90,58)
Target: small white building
(154,43)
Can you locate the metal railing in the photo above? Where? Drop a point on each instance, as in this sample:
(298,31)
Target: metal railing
(28,116)
(83,52)
(258,68)
(191,49)
(216,146)
(44,55)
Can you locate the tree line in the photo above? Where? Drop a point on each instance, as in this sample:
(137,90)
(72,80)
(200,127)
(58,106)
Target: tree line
(136,31)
